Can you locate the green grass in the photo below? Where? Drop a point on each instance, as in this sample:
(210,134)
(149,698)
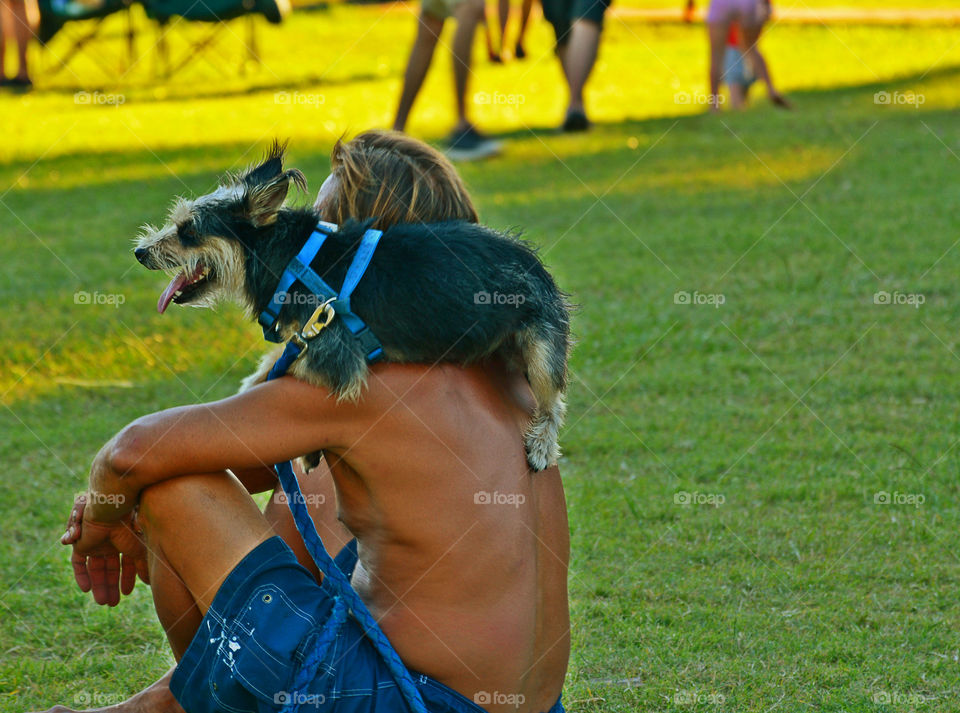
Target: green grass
(796,400)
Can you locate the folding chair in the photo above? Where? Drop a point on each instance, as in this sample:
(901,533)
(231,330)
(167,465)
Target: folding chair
(215,13)
(54,14)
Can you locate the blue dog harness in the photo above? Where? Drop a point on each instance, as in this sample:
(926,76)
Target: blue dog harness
(346,600)
(332,304)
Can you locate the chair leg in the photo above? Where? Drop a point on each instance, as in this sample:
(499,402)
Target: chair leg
(76,47)
(131,41)
(253,52)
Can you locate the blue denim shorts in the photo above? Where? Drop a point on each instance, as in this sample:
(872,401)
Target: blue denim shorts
(736,69)
(253,640)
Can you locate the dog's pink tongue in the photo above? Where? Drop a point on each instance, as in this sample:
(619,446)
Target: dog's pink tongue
(175,284)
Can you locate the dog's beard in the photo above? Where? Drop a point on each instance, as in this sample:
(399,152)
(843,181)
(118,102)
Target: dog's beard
(214,274)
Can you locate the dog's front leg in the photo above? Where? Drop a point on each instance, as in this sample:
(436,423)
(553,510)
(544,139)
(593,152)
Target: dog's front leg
(263,368)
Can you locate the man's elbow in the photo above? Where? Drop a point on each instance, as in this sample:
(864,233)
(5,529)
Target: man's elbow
(126,456)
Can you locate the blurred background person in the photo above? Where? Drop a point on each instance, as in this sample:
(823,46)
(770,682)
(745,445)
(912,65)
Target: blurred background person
(465,142)
(498,54)
(577,24)
(18,21)
(526,8)
(749,16)
(737,74)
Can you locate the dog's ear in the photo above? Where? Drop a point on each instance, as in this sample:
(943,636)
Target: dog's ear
(266,186)
(268,169)
(262,202)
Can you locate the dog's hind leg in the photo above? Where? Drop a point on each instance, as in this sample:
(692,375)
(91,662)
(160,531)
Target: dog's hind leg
(545,360)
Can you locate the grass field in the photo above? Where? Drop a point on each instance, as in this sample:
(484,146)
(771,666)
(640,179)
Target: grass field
(725,463)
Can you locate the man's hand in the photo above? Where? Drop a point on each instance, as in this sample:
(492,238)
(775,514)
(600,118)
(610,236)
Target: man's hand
(107,557)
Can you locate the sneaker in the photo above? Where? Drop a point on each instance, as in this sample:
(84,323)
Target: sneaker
(575,121)
(469,145)
(17,83)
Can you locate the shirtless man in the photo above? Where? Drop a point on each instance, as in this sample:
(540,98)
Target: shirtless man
(461,552)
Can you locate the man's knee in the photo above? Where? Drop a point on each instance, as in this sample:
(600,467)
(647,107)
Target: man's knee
(163,501)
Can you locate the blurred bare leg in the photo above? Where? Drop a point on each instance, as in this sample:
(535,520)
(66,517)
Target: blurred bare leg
(578,57)
(525,11)
(503,17)
(717,33)
(467,14)
(19,18)
(428,32)
(751,38)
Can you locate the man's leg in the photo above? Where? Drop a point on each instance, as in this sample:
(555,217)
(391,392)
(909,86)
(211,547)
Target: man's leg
(578,57)
(197,528)
(467,14)
(428,32)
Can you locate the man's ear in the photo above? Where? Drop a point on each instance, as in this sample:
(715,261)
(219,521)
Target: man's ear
(263,200)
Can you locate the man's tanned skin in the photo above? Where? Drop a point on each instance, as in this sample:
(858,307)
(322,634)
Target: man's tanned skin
(470,592)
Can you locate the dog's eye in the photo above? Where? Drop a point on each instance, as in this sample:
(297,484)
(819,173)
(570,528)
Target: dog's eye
(187,233)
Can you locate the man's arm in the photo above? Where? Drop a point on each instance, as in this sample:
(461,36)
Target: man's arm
(270,423)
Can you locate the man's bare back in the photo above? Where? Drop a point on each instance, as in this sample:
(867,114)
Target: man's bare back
(463,551)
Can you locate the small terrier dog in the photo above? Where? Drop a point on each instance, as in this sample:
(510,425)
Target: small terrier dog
(446,292)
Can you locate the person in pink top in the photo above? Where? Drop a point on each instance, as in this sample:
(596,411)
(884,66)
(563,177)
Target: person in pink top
(750,16)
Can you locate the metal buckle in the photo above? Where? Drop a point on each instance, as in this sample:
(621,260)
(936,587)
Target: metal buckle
(314,325)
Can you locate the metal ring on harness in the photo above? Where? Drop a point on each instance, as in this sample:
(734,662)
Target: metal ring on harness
(313,326)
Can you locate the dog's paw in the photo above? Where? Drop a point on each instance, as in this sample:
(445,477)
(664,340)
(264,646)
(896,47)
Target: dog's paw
(542,447)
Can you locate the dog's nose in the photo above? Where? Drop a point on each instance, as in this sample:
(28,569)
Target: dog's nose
(140,254)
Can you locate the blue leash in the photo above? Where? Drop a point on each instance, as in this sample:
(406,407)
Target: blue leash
(346,601)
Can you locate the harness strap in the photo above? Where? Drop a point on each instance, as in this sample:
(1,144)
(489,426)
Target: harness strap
(299,269)
(300,264)
(361,260)
(339,585)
